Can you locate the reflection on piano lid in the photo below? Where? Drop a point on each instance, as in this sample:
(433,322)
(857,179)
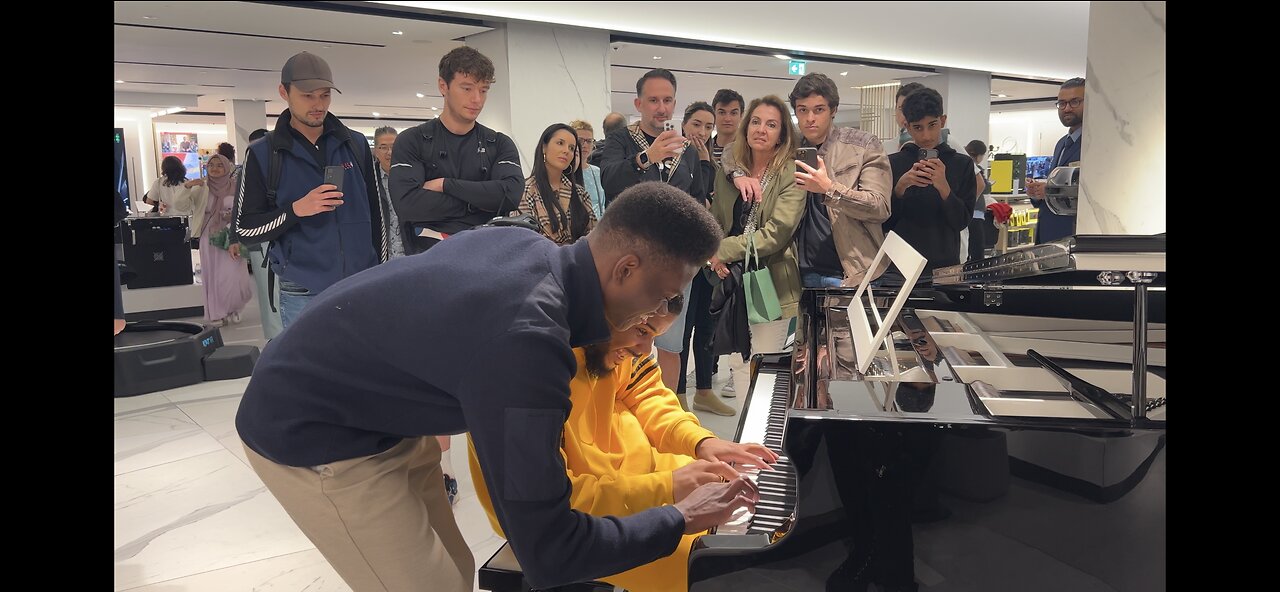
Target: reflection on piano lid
(982,477)
(1083,252)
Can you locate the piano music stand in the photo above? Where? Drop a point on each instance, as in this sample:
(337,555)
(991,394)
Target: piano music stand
(866,343)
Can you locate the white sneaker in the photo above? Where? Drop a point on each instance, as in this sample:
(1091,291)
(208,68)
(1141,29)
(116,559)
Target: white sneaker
(234,318)
(728,390)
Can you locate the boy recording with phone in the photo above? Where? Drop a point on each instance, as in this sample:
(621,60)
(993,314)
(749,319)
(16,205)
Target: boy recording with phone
(933,185)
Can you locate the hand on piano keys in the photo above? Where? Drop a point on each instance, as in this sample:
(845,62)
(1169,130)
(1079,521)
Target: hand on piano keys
(715,449)
(712,504)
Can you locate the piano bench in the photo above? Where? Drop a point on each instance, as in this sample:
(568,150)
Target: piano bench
(501,573)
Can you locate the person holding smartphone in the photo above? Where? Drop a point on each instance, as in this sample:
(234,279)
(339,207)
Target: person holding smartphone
(934,191)
(318,233)
(645,151)
(845,173)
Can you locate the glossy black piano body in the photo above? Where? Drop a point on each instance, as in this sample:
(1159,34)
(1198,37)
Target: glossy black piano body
(914,484)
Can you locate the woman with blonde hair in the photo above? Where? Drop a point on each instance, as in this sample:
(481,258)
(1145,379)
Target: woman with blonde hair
(764,146)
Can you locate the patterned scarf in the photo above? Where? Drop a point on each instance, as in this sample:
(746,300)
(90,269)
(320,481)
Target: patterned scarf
(643,143)
(531,203)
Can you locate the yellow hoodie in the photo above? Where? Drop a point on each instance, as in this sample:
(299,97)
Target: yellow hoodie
(626,433)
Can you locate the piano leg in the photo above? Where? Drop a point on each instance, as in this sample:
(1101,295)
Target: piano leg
(884,484)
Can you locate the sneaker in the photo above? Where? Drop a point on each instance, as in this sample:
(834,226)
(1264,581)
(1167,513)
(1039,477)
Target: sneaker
(234,318)
(728,390)
(451,488)
(705,400)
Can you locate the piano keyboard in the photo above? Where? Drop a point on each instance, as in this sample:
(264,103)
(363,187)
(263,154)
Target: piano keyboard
(763,422)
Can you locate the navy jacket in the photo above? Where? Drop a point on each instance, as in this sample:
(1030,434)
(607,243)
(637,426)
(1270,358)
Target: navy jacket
(315,251)
(1051,226)
(475,335)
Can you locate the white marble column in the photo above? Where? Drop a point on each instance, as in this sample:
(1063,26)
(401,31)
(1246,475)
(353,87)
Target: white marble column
(546,74)
(244,116)
(1123,156)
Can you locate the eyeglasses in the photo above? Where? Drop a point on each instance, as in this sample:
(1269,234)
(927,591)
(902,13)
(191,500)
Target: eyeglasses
(1074,103)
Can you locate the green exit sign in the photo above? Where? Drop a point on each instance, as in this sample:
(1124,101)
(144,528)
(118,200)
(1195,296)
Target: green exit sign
(796,68)
(117,138)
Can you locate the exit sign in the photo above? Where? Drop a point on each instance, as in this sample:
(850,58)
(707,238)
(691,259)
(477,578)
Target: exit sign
(796,68)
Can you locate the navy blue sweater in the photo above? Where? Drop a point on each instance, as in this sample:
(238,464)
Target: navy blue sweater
(473,335)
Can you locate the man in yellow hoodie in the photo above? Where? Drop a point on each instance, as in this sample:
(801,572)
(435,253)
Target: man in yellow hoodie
(629,446)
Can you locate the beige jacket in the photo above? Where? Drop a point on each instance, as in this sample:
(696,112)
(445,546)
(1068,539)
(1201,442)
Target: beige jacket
(859,199)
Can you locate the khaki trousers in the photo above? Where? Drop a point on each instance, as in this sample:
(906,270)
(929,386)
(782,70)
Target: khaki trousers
(383,522)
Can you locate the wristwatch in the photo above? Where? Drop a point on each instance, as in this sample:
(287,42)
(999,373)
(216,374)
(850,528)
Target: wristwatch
(643,160)
(735,173)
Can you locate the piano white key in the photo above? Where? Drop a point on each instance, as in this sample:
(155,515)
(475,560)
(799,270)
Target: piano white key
(756,421)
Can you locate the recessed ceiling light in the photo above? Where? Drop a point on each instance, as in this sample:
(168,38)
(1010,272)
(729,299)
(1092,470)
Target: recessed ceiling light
(397,32)
(845,73)
(376,114)
(119,82)
(435,108)
(420,95)
(150,18)
(657,57)
(781,57)
(1002,96)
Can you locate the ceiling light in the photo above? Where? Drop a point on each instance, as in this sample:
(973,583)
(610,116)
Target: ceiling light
(435,108)
(376,114)
(657,57)
(781,57)
(1002,96)
(150,18)
(119,82)
(845,73)
(397,32)
(420,95)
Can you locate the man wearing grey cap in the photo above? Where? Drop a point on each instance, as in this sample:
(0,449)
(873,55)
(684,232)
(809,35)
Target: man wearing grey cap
(320,232)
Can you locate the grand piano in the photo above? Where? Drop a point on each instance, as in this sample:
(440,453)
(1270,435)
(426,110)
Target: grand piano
(1007,432)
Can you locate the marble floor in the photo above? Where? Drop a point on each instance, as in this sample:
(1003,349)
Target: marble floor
(191,516)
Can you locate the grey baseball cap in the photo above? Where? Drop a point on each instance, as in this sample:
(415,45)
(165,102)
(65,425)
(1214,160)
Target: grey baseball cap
(307,72)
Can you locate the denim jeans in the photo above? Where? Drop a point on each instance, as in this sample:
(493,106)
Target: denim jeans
(813,279)
(293,298)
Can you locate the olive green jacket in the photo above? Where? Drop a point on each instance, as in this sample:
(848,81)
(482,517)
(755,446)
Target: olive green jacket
(780,212)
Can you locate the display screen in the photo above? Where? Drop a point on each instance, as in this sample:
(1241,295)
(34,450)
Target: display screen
(185,147)
(122,172)
(1038,167)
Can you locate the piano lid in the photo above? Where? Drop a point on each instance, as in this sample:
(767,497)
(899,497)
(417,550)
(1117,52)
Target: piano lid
(1082,252)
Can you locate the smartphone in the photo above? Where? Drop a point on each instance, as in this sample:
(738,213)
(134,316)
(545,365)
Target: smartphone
(808,155)
(927,154)
(333,176)
(668,125)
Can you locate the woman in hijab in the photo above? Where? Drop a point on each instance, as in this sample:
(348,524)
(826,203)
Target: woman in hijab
(227,285)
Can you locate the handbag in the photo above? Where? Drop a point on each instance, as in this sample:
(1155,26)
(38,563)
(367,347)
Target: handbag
(761,297)
(221,239)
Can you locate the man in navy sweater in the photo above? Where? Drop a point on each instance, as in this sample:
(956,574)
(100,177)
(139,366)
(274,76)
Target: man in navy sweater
(475,335)
(1051,226)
